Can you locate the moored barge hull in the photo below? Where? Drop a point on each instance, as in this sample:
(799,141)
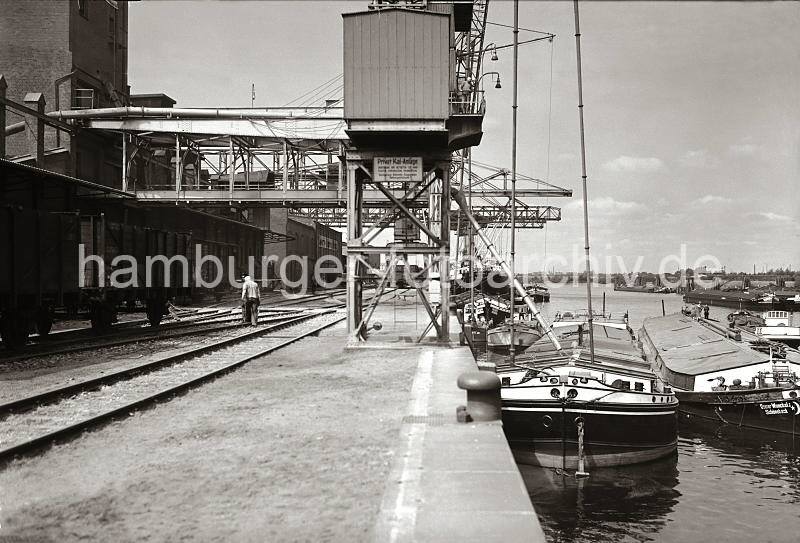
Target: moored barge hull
(546,435)
(773,410)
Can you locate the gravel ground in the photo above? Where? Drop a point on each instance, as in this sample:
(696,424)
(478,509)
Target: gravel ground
(293,447)
(71,324)
(28,376)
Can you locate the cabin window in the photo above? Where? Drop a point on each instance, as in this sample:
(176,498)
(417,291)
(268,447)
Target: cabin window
(620,384)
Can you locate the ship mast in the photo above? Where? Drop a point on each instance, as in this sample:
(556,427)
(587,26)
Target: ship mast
(583,177)
(512,350)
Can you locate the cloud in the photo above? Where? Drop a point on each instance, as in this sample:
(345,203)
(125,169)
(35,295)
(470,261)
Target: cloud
(698,159)
(711,199)
(632,164)
(743,149)
(608,204)
(775,217)
(566,157)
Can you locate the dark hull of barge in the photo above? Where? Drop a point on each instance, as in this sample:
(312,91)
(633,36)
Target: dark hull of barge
(546,433)
(761,409)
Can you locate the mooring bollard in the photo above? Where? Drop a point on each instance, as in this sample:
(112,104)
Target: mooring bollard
(483,396)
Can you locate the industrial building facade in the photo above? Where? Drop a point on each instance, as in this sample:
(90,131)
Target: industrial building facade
(76,55)
(73,55)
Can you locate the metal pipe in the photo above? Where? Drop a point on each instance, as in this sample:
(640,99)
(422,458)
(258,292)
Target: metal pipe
(177,163)
(232,169)
(3,127)
(514,106)
(285,165)
(444,263)
(458,196)
(188,113)
(583,177)
(15,128)
(124,163)
(470,240)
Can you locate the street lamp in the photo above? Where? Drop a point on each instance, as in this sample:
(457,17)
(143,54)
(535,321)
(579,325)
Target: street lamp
(497,83)
(490,47)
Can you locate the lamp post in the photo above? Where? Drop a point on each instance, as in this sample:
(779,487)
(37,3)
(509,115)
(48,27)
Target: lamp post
(497,84)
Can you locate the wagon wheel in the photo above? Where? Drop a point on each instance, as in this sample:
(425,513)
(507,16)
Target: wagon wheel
(14,330)
(44,320)
(102,317)
(155,311)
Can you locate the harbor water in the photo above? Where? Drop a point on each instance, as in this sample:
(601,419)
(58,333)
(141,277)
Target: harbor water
(724,484)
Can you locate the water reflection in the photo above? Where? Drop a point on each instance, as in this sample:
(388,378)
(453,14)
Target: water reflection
(735,485)
(725,483)
(612,504)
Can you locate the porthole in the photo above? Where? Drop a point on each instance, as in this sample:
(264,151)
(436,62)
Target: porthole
(547,421)
(654,399)
(555,393)
(572,393)
(793,394)
(554,380)
(574,381)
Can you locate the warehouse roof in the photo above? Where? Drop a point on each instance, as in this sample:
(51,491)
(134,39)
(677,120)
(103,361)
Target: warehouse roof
(17,172)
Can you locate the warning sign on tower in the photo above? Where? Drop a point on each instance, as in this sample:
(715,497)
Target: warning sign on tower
(397,169)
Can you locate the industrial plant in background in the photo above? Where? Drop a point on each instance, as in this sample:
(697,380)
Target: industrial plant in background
(66,184)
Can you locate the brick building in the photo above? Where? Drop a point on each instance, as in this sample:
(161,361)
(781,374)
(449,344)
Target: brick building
(74,52)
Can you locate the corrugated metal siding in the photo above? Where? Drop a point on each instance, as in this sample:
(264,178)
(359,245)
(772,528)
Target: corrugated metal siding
(396,65)
(438,7)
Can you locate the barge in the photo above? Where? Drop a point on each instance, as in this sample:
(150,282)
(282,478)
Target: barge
(745,300)
(722,378)
(564,407)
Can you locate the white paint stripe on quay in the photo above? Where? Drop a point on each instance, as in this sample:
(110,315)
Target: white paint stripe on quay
(404,516)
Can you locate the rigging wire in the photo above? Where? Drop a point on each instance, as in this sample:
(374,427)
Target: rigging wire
(321,94)
(314,90)
(549,111)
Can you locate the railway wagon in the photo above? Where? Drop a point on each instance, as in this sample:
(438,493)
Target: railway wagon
(51,225)
(311,242)
(330,247)
(153,265)
(303,244)
(38,269)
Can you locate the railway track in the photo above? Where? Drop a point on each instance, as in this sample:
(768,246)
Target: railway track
(178,330)
(201,322)
(34,422)
(271,299)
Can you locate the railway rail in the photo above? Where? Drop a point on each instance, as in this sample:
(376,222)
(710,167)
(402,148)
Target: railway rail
(201,322)
(34,422)
(230,322)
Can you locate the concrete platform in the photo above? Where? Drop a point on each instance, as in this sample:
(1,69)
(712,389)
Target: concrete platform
(452,481)
(315,442)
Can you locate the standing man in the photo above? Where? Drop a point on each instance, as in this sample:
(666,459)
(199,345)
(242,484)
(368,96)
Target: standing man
(706,310)
(464,95)
(251,299)
(245,313)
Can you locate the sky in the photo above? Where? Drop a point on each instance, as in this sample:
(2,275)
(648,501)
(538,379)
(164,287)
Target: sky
(692,113)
